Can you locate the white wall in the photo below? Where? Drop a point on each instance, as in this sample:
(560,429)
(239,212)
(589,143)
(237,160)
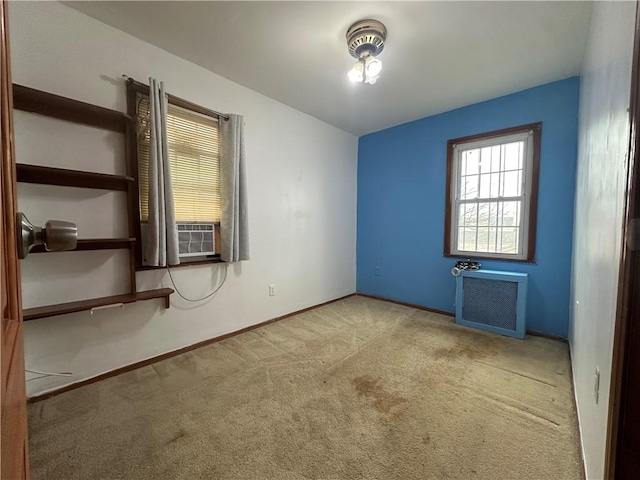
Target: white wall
(600,194)
(302,203)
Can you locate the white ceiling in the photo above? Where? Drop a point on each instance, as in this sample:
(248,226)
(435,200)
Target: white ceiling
(438,55)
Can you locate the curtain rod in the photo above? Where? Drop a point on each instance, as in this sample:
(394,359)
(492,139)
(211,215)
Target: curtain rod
(180,102)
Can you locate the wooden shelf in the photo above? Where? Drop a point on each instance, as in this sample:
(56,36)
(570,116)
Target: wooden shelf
(85,305)
(55,106)
(71,178)
(94,244)
(44,103)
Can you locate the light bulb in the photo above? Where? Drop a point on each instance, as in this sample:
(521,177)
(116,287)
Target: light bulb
(373,67)
(356,74)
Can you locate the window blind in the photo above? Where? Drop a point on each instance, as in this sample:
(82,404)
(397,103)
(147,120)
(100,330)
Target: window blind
(194,155)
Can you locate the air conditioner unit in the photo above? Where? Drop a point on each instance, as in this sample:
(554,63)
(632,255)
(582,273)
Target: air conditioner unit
(492,301)
(196,239)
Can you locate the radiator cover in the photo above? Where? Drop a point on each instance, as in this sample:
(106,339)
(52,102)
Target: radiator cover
(493,301)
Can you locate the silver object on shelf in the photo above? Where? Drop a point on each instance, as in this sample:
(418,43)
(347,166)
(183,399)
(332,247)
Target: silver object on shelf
(56,236)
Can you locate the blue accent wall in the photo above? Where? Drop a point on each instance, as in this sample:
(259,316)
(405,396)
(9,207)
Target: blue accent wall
(401,196)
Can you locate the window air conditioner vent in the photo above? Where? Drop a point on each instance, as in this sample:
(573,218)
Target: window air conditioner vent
(492,301)
(196,239)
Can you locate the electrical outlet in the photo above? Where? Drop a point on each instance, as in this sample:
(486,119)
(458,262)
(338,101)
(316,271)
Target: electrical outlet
(272,290)
(596,386)
(377,271)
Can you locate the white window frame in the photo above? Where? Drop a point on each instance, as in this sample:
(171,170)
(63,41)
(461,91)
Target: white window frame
(527,136)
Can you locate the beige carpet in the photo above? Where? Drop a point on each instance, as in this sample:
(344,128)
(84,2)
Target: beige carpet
(357,389)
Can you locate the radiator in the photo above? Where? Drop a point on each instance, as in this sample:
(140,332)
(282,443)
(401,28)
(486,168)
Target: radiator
(492,301)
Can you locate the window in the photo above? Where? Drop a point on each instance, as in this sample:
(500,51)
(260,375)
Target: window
(194,154)
(193,136)
(491,204)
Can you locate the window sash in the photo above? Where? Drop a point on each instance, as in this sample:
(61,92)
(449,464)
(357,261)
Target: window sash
(194,156)
(524,199)
(498,226)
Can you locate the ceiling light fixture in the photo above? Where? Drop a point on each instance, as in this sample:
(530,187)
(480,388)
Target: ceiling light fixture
(365,40)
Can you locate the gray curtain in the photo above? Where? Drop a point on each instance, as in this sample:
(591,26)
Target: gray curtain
(161,242)
(234,230)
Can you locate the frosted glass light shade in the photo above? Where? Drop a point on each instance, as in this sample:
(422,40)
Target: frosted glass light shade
(356,74)
(366,70)
(373,67)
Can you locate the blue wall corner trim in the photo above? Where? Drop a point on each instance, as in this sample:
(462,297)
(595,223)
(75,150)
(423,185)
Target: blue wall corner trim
(401,194)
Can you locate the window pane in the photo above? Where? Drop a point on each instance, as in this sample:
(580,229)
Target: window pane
(483,239)
(467,239)
(514,156)
(496,154)
(461,238)
(509,240)
(485,186)
(512,183)
(485,159)
(510,214)
(494,185)
(470,161)
(483,214)
(493,246)
(469,187)
(493,213)
(468,214)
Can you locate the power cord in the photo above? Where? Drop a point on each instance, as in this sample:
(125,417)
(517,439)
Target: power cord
(198,299)
(47,374)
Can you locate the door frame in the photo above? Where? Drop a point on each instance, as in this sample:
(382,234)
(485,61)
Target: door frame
(628,280)
(14,458)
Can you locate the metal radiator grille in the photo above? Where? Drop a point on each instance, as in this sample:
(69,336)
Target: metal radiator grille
(490,302)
